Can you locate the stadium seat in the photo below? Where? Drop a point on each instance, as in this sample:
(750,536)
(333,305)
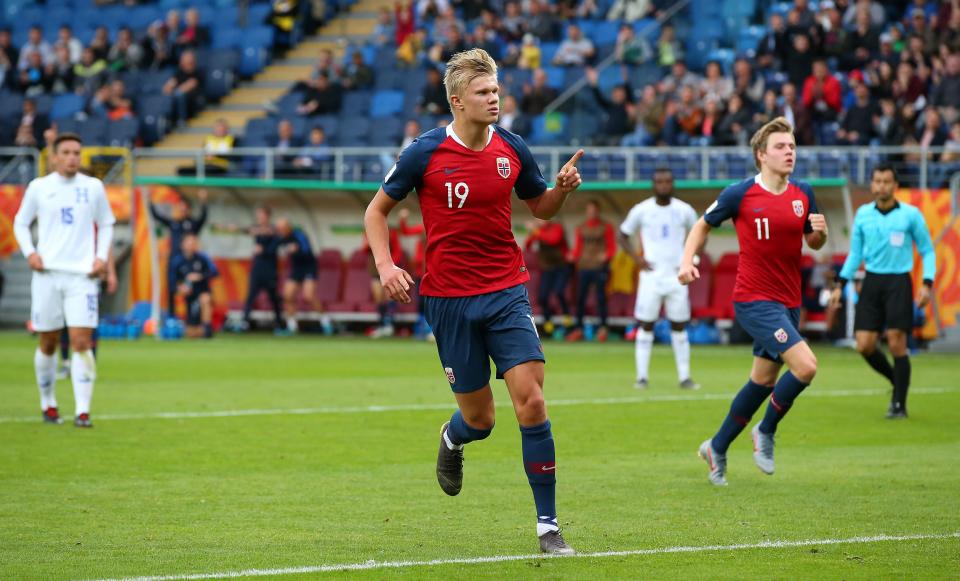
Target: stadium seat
(65,106)
(721,292)
(386,103)
(700,290)
(356,288)
(123,132)
(549,129)
(329,276)
(93,131)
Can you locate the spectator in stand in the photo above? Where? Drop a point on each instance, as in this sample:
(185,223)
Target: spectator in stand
(90,73)
(542,22)
(453,43)
(158,51)
(594,247)
(630,49)
(9,51)
(100,43)
(31,126)
(549,240)
(385,32)
(433,100)
(172,22)
(215,146)
(357,75)
(684,118)
(886,54)
(193,35)
(888,126)
(907,88)
(768,110)
(733,128)
(470,9)
(282,143)
(746,83)
(513,24)
(529,56)
(669,51)
(648,116)
(630,10)
(186,87)
(111,102)
(920,28)
(537,95)
(325,65)
(874,11)
(800,59)
(799,115)
(679,77)
(65,38)
(430,9)
(60,75)
(833,43)
(487,39)
(950,33)
(856,125)
(316,159)
(413,50)
(618,109)
(405,24)
(322,97)
(714,85)
(8,79)
(822,95)
(575,50)
(932,133)
(805,17)
(773,47)
(35,44)
(946,93)
(511,119)
(33,77)
(712,116)
(862,43)
(285,16)
(125,54)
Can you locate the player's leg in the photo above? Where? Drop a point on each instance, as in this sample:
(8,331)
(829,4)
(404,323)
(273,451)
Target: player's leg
(867,347)
(81,310)
(206,314)
(677,299)
(252,293)
(63,372)
(291,296)
(466,365)
(646,310)
(547,285)
(898,316)
(383,309)
(513,344)
(583,287)
(46,315)
(270,285)
(603,275)
(868,320)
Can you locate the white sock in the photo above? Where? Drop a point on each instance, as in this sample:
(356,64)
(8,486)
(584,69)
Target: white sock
(681,353)
(45,368)
(545,525)
(644,347)
(83,371)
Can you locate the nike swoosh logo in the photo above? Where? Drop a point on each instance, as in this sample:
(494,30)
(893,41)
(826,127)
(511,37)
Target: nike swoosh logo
(450,170)
(548,468)
(758,209)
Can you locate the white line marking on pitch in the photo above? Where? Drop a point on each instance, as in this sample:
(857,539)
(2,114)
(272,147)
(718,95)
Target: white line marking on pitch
(371,565)
(417,407)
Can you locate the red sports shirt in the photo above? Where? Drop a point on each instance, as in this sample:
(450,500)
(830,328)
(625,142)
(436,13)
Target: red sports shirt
(770,230)
(466,206)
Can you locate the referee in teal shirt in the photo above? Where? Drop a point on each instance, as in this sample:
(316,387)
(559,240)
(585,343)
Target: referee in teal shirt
(884,233)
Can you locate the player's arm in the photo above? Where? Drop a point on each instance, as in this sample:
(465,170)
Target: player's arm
(21,229)
(111,279)
(105,221)
(635,252)
(696,239)
(157,215)
(396,281)
(546,205)
(921,236)
(815,228)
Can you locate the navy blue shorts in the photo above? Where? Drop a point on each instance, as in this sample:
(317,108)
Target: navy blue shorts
(472,330)
(300,272)
(772,326)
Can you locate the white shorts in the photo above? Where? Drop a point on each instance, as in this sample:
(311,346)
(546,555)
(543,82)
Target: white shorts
(64,299)
(657,289)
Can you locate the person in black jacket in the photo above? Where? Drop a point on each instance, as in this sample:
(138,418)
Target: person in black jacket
(180,223)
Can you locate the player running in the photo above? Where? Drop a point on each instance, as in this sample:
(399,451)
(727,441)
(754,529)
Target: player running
(884,233)
(772,216)
(475,299)
(662,223)
(69,258)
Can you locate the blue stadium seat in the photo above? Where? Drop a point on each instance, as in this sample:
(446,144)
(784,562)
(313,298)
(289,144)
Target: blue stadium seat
(261,128)
(154,111)
(648,28)
(287,104)
(11,105)
(388,131)
(123,132)
(555,76)
(386,104)
(93,131)
(547,51)
(226,37)
(549,129)
(66,105)
(329,123)
(354,131)
(357,102)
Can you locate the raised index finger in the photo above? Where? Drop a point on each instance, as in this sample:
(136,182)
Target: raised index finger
(573,160)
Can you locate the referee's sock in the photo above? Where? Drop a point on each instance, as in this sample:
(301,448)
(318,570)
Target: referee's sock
(901,381)
(786,390)
(879,362)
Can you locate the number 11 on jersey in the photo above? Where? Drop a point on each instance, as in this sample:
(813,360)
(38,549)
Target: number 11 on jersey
(460,190)
(763,234)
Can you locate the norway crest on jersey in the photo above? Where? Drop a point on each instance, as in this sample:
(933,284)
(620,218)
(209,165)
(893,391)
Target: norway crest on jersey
(503,167)
(798,208)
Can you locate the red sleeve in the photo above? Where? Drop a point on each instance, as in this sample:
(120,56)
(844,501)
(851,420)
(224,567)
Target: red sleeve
(577,245)
(552,234)
(611,243)
(832,94)
(808,92)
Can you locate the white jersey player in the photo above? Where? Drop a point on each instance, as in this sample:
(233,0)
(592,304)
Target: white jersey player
(69,258)
(662,223)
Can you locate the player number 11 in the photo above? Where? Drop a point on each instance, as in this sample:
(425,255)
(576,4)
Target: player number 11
(765,233)
(461,191)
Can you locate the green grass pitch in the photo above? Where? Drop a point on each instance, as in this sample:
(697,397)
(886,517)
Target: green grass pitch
(316,474)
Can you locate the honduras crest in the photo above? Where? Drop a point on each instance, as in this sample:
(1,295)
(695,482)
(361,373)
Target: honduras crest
(798,208)
(503,167)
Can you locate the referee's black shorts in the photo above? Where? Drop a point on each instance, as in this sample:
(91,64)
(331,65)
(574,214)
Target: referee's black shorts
(886,302)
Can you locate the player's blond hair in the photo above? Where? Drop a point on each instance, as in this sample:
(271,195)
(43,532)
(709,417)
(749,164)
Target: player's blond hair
(759,140)
(463,68)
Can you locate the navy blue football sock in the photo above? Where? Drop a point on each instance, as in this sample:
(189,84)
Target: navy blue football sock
(539,461)
(744,405)
(459,432)
(879,362)
(786,390)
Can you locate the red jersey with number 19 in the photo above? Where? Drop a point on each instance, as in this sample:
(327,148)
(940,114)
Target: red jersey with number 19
(465,199)
(770,229)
